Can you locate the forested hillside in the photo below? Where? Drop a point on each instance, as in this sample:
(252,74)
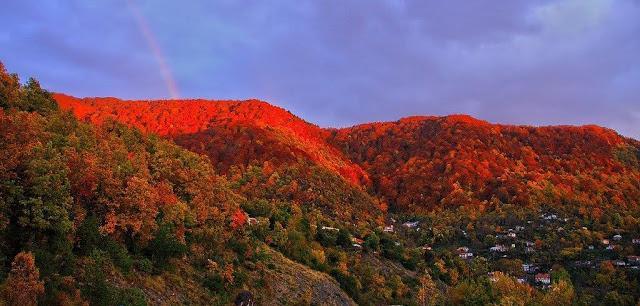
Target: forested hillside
(110,202)
(422,163)
(231,133)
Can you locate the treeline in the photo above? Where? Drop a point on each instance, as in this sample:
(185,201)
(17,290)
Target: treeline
(431,162)
(230,133)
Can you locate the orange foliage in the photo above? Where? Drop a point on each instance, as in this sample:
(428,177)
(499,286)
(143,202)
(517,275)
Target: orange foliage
(229,132)
(23,286)
(424,162)
(414,163)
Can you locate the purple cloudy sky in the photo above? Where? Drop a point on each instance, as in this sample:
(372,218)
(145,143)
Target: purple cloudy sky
(339,62)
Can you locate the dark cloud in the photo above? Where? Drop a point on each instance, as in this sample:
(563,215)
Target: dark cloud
(338,63)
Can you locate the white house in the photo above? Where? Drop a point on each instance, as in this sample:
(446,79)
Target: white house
(411,224)
(466,255)
(329,228)
(529,268)
(498,248)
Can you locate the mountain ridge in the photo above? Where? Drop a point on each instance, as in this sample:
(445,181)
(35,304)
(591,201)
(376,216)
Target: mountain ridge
(414,163)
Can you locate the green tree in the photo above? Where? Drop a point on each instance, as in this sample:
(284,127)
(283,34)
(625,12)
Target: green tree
(344,238)
(36,99)
(165,246)
(372,242)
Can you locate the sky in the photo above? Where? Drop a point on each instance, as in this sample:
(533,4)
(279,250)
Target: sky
(342,62)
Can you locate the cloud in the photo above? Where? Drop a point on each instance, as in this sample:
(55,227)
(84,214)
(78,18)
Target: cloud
(572,16)
(339,63)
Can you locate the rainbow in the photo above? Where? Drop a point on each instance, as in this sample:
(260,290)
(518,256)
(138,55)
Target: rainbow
(148,35)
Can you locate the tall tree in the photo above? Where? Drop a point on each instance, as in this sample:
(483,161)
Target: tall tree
(23,286)
(9,88)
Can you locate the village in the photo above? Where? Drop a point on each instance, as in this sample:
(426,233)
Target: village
(516,243)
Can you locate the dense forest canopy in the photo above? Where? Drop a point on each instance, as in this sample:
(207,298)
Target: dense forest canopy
(432,162)
(417,163)
(111,202)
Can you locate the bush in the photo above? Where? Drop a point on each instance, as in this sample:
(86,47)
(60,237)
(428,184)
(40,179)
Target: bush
(347,282)
(132,297)
(144,265)
(165,246)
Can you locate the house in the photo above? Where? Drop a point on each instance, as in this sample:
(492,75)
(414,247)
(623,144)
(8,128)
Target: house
(511,235)
(582,263)
(529,268)
(329,228)
(466,255)
(605,241)
(635,240)
(619,263)
(463,249)
(543,278)
(357,240)
(498,248)
(426,248)
(252,221)
(519,228)
(617,237)
(411,224)
(530,243)
(463,252)
(522,280)
(610,247)
(633,259)
(388,229)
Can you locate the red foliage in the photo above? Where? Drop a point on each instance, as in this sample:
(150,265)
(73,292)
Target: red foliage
(238,219)
(414,163)
(229,132)
(422,162)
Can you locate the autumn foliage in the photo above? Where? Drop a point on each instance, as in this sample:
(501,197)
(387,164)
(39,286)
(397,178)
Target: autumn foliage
(23,286)
(432,162)
(229,132)
(113,202)
(415,163)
